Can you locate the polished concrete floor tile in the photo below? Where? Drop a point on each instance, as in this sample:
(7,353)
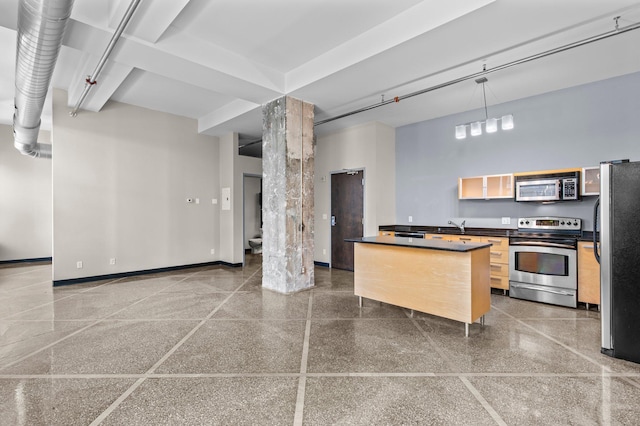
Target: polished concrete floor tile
(230,346)
(361,345)
(327,279)
(200,284)
(80,306)
(110,347)
(391,401)
(57,402)
(527,309)
(265,304)
(508,347)
(584,336)
(561,400)
(209,401)
(20,338)
(173,306)
(345,305)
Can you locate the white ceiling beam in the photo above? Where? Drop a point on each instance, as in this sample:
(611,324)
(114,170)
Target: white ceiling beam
(413,22)
(222,115)
(151,19)
(234,76)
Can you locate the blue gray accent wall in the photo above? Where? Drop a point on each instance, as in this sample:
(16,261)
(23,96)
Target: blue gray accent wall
(575,127)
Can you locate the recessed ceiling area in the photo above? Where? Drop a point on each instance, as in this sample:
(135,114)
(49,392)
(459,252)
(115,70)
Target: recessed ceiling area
(219,61)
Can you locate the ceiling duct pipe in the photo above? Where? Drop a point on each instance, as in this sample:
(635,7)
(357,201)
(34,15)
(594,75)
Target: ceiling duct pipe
(41,25)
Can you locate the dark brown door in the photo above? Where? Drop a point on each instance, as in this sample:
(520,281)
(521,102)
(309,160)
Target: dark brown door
(347,209)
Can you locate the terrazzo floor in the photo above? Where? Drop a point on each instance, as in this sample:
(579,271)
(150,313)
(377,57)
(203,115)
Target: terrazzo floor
(210,346)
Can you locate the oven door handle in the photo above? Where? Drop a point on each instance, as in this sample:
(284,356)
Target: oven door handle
(541,244)
(528,287)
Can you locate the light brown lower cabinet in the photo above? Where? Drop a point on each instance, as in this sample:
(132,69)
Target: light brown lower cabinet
(499,262)
(588,274)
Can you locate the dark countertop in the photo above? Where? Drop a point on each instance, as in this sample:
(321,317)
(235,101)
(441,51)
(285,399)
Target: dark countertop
(420,243)
(452,230)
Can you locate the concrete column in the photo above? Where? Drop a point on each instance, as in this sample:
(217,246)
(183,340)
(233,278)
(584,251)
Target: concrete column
(287,195)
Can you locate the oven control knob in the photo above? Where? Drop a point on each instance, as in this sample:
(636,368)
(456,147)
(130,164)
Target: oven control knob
(575,223)
(562,223)
(527,222)
(521,222)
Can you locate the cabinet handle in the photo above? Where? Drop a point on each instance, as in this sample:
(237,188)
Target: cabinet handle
(436,238)
(495,253)
(495,265)
(588,247)
(465,239)
(494,241)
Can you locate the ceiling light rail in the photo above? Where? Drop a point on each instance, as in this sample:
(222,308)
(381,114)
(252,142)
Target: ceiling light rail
(615,32)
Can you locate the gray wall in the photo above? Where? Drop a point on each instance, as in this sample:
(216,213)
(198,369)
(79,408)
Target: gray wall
(25,204)
(575,127)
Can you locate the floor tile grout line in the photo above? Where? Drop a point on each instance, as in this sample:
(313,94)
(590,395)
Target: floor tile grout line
(58,300)
(302,381)
(62,339)
(556,341)
(117,402)
(171,351)
(431,342)
(197,327)
(485,404)
(36,269)
(26,286)
(622,376)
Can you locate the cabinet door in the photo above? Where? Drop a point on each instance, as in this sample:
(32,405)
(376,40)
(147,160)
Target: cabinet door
(590,180)
(588,274)
(485,187)
(471,188)
(499,186)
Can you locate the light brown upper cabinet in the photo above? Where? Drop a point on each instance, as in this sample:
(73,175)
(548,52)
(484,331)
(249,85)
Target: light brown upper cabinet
(485,187)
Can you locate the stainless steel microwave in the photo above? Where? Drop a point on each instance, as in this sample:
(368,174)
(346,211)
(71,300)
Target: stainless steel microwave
(547,189)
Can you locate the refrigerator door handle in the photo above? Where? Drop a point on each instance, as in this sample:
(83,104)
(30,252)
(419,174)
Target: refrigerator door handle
(595,229)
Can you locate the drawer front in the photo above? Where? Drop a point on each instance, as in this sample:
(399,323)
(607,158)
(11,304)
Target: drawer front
(497,256)
(500,282)
(386,233)
(467,239)
(497,243)
(499,269)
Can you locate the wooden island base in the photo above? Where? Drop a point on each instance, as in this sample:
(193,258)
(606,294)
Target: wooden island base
(450,280)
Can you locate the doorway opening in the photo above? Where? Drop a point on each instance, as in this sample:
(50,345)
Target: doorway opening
(252,218)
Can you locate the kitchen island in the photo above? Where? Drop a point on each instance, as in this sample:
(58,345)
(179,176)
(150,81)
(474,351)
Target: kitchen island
(447,279)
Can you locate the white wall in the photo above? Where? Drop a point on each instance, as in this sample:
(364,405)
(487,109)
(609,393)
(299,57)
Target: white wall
(251,209)
(25,201)
(370,147)
(121,178)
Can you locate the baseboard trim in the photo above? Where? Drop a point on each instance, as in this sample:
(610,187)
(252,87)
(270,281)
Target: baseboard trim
(57,283)
(325,264)
(33,260)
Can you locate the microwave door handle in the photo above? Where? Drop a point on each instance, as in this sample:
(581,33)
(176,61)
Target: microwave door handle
(546,290)
(541,244)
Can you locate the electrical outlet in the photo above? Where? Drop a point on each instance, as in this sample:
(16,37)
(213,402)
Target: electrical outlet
(410,219)
(197,200)
(324,216)
(214,201)
(112,261)
(506,221)
(79,264)
(213,251)
(324,251)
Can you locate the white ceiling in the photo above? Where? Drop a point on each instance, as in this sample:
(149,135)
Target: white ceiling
(218,61)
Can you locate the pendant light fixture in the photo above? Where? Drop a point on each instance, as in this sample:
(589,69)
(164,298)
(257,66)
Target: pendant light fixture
(490,124)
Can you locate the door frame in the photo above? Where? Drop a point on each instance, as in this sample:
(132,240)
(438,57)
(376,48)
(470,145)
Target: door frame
(244,232)
(364,202)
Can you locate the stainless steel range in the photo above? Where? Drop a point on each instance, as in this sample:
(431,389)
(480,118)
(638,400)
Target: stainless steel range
(543,260)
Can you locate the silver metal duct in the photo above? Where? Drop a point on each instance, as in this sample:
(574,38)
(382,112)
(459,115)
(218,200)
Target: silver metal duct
(41,25)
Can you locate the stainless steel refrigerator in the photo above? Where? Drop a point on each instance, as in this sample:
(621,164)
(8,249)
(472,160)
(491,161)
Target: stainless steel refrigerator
(618,220)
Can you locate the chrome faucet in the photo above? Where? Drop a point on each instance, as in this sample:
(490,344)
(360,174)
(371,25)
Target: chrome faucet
(461,226)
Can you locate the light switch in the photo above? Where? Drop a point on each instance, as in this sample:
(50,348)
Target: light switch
(324,216)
